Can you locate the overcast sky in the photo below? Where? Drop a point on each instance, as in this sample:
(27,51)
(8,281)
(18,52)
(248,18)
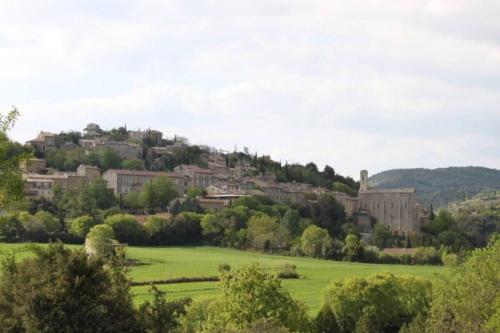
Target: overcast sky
(353,84)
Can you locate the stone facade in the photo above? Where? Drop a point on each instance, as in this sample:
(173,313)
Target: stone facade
(397,209)
(45,141)
(124,181)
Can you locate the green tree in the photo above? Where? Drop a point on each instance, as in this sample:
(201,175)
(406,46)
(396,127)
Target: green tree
(382,303)
(109,159)
(104,196)
(81,226)
(161,315)
(100,241)
(147,198)
(11,181)
(330,214)
(132,165)
(250,295)
(165,191)
(316,242)
(195,192)
(465,298)
(291,221)
(381,236)
(62,290)
(126,229)
(50,224)
(353,249)
(265,233)
(11,228)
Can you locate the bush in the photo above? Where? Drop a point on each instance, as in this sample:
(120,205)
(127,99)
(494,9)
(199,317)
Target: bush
(288,271)
(80,226)
(449,259)
(427,255)
(224,268)
(10,228)
(126,229)
(381,303)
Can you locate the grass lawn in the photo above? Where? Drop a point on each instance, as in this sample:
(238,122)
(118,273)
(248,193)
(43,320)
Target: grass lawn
(168,262)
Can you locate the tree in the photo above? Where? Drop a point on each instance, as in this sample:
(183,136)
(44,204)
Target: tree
(51,225)
(316,242)
(381,303)
(10,227)
(109,159)
(132,164)
(353,249)
(195,192)
(465,298)
(341,187)
(330,214)
(265,233)
(100,241)
(104,196)
(291,221)
(147,198)
(80,226)
(161,315)
(62,290)
(11,181)
(126,228)
(381,236)
(250,295)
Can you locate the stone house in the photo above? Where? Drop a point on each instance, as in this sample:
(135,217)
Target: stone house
(45,141)
(124,181)
(199,177)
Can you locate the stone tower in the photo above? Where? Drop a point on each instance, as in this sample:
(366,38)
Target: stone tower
(363,181)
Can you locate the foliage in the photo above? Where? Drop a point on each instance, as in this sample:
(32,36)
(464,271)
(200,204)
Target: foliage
(466,297)
(291,221)
(132,164)
(265,233)
(109,159)
(10,228)
(81,226)
(249,295)
(126,228)
(381,236)
(160,315)
(316,242)
(11,182)
(382,303)
(341,187)
(195,192)
(353,249)
(100,241)
(440,186)
(103,196)
(60,290)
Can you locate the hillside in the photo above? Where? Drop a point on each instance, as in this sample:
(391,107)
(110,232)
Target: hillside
(442,186)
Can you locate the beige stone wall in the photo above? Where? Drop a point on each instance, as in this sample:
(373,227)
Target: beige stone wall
(397,210)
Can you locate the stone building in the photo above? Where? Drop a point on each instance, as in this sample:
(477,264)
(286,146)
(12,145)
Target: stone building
(154,136)
(126,150)
(199,177)
(42,185)
(92,131)
(397,209)
(45,141)
(124,181)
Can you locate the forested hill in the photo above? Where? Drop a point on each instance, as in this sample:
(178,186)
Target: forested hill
(440,186)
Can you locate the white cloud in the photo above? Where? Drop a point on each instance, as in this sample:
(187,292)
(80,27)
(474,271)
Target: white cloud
(358,84)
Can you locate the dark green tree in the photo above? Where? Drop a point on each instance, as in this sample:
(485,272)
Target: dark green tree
(62,290)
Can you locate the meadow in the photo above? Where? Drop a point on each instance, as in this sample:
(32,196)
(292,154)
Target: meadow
(155,263)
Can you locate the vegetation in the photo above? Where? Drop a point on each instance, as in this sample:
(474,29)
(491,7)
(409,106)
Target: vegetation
(440,187)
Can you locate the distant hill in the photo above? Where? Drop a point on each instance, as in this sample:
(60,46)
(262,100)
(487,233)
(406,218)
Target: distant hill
(442,186)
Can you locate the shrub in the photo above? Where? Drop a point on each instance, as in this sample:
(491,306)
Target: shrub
(427,255)
(80,226)
(224,268)
(288,271)
(381,303)
(126,228)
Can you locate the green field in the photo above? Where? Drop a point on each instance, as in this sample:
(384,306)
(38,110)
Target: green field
(156,263)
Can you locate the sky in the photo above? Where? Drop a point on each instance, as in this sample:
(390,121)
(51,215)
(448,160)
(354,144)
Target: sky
(356,85)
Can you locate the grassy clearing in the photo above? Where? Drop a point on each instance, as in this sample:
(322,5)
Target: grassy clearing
(155,263)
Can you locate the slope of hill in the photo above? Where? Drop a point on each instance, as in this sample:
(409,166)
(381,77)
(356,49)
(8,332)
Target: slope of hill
(440,186)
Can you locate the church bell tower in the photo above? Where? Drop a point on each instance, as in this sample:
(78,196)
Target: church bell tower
(363,181)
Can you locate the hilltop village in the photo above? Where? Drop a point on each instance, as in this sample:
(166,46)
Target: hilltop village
(133,158)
